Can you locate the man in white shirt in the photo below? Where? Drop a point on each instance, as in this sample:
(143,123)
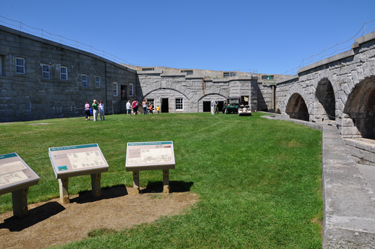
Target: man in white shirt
(128,108)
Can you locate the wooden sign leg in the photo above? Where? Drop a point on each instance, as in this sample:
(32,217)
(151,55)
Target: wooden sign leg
(166,181)
(95,183)
(19,199)
(136,181)
(64,193)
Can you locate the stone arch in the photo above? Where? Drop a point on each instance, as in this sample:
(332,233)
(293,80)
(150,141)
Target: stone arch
(163,88)
(324,106)
(297,108)
(208,94)
(360,110)
(210,97)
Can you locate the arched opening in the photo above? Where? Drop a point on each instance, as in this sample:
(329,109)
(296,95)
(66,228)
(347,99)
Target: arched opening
(325,106)
(361,107)
(296,108)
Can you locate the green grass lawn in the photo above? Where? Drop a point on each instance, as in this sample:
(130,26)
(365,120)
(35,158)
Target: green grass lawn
(259,180)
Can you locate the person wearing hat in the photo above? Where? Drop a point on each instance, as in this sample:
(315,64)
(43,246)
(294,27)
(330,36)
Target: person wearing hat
(95,109)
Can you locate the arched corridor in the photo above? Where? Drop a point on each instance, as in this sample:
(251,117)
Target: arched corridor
(325,101)
(296,108)
(361,107)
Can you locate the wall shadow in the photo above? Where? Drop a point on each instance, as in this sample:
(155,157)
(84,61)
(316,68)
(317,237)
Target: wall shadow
(174,186)
(107,193)
(36,215)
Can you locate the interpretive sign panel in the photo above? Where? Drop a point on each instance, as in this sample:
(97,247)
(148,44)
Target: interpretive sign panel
(149,156)
(77,160)
(15,173)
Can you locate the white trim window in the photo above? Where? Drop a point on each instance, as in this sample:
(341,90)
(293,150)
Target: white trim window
(20,65)
(131,90)
(85,82)
(97,81)
(115,89)
(149,102)
(46,71)
(63,73)
(179,104)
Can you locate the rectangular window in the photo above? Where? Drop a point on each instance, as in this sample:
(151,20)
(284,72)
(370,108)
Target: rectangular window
(20,66)
(229,74)
(115,89)
(267,77)
(148,69)
(179,104)
(63,73)
(131,90)
(46,71)
(85,82)
(188,72)
(97,81)
(150,101)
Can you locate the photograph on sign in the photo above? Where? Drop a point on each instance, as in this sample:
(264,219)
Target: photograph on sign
(150,154)
(69,159)
(14,171)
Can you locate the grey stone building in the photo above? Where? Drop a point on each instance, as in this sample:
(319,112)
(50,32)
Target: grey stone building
(42,79)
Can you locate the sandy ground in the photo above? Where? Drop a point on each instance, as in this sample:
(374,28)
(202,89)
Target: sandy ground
(50,222)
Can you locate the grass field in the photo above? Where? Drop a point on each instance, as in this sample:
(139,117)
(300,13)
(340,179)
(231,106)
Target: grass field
(259,180)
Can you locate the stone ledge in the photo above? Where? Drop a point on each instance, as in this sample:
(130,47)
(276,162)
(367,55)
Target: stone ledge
(150,72)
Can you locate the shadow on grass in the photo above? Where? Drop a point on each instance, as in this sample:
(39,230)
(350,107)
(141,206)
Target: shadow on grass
(36,215)
(174,186)
(107,193)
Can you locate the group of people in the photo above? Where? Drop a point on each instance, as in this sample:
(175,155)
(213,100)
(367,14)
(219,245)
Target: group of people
(97,109)
(146,107)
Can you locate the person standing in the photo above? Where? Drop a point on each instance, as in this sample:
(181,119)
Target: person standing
(151,108)
(128,108)
(135,106)
(87,110)
(144,105)
(95,109)
(158,109)
(101,111)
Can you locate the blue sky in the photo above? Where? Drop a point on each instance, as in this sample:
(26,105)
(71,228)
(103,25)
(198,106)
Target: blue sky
(268,36)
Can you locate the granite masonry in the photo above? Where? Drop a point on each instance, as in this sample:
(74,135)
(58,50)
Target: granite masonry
(42,79)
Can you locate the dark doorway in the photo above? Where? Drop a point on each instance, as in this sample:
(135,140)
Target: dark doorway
(220,105)
(123,92)
(164,105)
(206,106)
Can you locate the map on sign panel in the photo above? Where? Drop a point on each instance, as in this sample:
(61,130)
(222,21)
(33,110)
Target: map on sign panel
(12,172)
(85,159)
(149,154)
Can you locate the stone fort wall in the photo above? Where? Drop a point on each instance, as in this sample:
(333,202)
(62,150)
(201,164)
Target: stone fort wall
(34,87)
(43,79)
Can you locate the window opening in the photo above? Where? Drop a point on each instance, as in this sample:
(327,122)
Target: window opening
(115,89)
(97,81)
(46,71)
(179,104)
(63,73)
(20,65)
(84,81)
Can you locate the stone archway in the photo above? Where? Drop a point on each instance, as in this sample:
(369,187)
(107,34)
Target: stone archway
(296,107)
(324,106)
(360,108)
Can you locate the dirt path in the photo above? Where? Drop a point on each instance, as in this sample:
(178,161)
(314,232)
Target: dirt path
(50,223)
